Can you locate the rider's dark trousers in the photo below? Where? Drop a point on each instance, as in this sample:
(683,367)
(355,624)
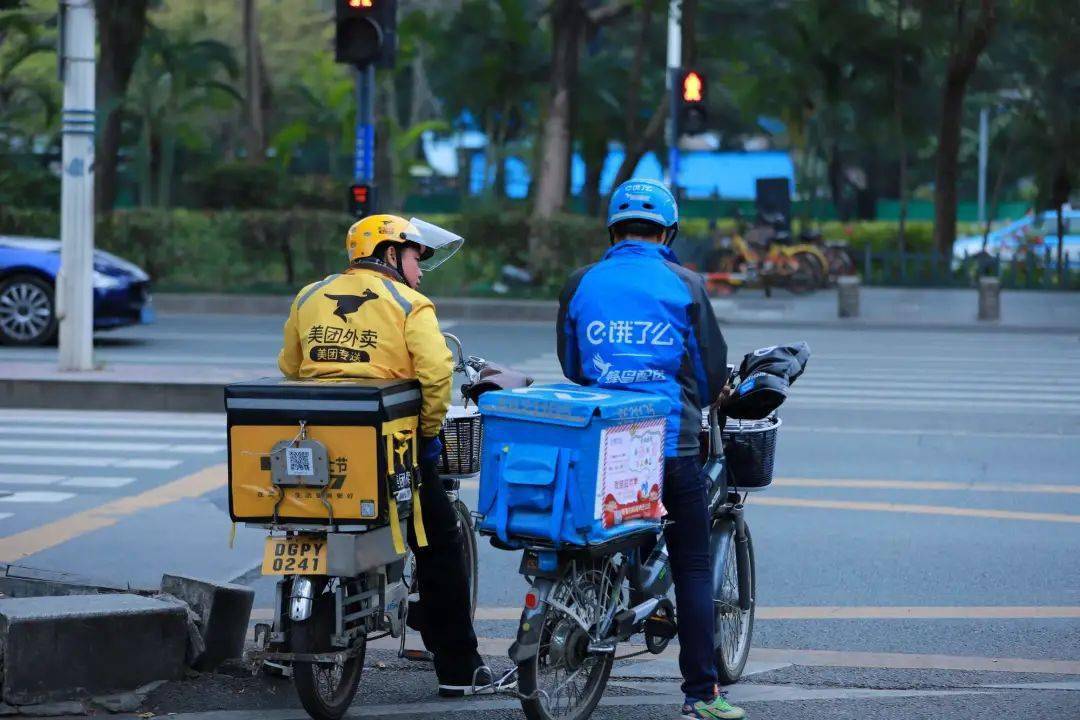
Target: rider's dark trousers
(445,618)
(685,497)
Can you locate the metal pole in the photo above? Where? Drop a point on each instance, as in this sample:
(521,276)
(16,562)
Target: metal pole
(75,281)
(674,61)
(984,142)
(364,157)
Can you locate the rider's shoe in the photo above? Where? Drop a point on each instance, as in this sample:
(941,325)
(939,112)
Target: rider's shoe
(469,681)
(716,709)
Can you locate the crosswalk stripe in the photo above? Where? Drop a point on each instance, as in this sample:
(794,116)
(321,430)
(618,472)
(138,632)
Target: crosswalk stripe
(52,429)
(25,479)
(69,446)
(100,481)
(113,417)
(86,461)
(37,496)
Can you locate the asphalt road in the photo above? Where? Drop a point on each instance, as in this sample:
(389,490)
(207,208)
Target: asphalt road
(923,529)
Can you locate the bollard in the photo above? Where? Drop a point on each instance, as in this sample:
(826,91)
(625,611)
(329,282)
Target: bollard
(847,296)
(989,298)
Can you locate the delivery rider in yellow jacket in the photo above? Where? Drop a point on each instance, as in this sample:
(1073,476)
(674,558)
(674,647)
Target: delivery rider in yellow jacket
(369,321)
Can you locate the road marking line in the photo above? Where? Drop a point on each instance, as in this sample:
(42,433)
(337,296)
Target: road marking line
(836,658)
(1051,436)
(4,516)
(50,430)
(20,545)
(926,485)
(822,612)
(37,496)
(26,479)
(916,509)
(57,461)
(148,464)
(98,481)
(108,417)
(901,485)
(71,446)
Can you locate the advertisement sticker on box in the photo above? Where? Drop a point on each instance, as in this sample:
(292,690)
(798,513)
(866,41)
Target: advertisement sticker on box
(631,473)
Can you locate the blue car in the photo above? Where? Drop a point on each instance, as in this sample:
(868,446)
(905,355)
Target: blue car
(28,269)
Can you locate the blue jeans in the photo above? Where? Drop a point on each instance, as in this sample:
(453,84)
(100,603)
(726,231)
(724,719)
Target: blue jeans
(685,497)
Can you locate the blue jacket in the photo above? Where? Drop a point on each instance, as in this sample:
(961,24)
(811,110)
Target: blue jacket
(638,320)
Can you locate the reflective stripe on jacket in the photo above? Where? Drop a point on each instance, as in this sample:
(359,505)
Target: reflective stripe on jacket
(363,324)
(637,320)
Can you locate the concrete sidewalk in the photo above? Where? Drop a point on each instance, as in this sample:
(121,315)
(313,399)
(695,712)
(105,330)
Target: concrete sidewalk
(899,308)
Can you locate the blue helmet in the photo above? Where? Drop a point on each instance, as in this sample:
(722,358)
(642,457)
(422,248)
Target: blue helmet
(643,200)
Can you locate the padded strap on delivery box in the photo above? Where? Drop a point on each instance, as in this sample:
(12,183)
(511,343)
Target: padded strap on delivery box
(395,528)
(418,521)
(581,515)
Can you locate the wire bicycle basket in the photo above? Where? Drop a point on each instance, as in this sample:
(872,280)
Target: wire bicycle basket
(750,449)
(461,433)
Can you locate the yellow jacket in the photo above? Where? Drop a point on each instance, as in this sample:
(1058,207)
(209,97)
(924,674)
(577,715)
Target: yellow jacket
(362,324)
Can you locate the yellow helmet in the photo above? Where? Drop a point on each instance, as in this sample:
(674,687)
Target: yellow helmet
(436,244)
(367,234)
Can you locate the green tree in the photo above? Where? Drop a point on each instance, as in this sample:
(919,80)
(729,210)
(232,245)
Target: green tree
(178,77)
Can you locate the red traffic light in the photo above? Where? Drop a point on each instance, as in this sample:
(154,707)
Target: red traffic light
(361,199)
(693,87)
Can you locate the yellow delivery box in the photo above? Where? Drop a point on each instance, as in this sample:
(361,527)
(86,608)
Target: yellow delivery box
(329,452)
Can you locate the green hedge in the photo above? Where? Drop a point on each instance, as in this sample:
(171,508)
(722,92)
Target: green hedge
(281,250)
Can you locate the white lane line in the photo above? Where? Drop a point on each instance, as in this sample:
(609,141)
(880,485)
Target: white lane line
(27,479)
(1052,436)
(197,449)
(4,516)
(98,481)
(32,429)
(68,446)
(86,462)
(97,418)
(148,464)
(57,461)
(37,496)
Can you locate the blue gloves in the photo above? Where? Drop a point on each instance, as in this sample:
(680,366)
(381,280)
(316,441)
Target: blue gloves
(430,449)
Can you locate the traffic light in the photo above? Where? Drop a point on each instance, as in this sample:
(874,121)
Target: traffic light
(692,117)
(361,199)
(366,32)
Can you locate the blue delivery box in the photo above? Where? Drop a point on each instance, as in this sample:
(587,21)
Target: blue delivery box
(570,465)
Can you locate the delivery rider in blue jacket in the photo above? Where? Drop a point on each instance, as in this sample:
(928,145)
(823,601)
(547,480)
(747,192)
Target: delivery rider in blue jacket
(638,320)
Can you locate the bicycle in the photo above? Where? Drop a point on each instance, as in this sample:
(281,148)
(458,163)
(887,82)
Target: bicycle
(585,600)
(762,259)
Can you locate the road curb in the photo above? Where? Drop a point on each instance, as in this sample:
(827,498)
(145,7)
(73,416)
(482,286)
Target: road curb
(63,394)
(506,309)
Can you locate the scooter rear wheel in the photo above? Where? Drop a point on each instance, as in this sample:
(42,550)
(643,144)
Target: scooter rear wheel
(325,689)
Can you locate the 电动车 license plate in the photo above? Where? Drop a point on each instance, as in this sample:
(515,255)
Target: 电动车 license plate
(298,555)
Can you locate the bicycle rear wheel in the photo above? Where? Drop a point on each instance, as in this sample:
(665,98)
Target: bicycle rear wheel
(733,625)
(563,680)
(472,555)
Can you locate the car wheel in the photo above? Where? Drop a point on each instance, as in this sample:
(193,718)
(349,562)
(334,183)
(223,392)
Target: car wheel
(27,311)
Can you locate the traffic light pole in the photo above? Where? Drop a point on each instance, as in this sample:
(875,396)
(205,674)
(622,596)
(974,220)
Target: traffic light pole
(674,61)
(75,280)
(364,157)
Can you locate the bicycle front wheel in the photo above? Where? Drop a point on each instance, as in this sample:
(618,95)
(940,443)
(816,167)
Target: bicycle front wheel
(733,626)
(563,680)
